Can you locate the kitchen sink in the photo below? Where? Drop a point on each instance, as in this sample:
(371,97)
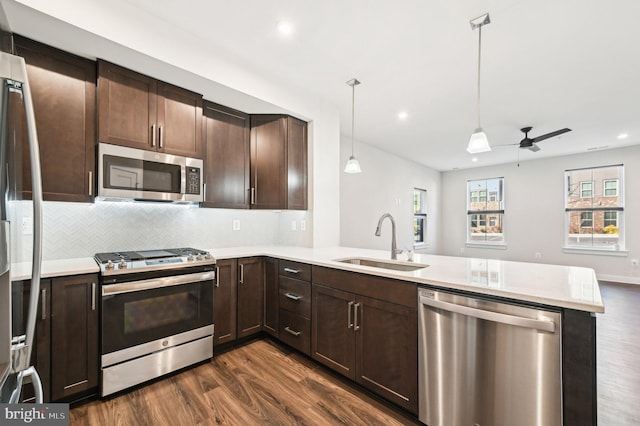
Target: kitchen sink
(384,264)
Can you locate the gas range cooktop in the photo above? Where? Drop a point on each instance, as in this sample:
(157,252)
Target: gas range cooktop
(149,260)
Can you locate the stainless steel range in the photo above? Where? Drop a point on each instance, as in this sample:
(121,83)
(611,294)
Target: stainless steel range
(156,314)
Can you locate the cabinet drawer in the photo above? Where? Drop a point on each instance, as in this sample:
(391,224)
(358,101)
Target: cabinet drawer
(300,271)
(295,296)
(295,331)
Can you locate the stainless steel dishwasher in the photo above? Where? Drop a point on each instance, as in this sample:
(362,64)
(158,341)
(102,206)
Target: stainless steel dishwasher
(487,363)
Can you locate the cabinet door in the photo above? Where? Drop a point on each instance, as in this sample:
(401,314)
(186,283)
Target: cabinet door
(386,346)
(127,106)
(296,164)
(63,88)
(41,352)
(224,299)
(226,157)
(268,162)
(74,335)
(179,121)
(250,298)
(271,296)
(332,337)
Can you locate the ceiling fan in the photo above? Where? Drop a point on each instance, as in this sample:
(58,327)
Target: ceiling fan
(530,143)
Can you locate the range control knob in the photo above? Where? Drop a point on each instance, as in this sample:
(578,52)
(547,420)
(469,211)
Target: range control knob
(199,257)
(207,256)
(109,266)
(190,258)
(122,264)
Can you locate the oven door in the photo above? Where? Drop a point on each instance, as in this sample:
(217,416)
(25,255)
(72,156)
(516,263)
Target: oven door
(137,312)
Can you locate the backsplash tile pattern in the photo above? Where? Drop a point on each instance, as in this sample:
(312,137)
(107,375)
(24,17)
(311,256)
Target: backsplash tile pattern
(80,230)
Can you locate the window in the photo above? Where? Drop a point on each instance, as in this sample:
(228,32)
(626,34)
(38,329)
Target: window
(594,208)
(485,211)
(611,188)
(419,216)
(610,219)
(586,220)
(586,189)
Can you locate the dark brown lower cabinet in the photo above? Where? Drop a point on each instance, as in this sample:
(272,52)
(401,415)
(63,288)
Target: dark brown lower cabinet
(65,348)
(368,339)
(74,335)
(225,301)
(271,296)
(250,296)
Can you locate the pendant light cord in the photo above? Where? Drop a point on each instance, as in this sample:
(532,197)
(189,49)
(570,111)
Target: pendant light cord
(479,55)
(353,114)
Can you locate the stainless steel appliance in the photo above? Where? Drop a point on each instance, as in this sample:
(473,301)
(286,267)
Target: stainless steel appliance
(156,314)
(487,363)
(16,110)
(135,174)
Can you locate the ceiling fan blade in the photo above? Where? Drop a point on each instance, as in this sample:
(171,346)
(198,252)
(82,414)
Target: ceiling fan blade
(551,135)
(534,148)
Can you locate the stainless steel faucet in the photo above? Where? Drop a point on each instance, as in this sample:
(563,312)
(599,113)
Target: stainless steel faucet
(394,248)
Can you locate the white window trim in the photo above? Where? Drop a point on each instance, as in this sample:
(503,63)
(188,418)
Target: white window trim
(595,251)
(581,190)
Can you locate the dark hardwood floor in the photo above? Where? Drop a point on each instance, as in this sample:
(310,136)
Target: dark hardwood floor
(265,383)
(618,355)
(261,383)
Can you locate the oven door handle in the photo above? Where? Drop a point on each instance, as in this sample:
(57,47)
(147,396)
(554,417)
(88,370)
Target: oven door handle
(113,289)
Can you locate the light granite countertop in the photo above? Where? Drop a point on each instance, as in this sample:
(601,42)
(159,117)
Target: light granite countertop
(554,285)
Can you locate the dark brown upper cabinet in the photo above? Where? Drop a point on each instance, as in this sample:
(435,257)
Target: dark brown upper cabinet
(278,162)
(63,88)
(226,157)
(138,111)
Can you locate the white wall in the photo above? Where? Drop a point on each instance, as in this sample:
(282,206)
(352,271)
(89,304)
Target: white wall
(534,212)
(385,186)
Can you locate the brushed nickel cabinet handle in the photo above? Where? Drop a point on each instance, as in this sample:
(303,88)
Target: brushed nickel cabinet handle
(290,331)
(160,144)
(293,296)
(292,271)
(153,135)
(241,280)
(253,196)
(43,301)
(356,327)
(93,296)
(217,276)
(90,183)
(349,320)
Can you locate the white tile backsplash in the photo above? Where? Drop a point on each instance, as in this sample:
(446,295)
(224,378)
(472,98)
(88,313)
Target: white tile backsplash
(81,230)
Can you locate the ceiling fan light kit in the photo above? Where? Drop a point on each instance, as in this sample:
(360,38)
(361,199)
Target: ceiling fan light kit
(478,141)
(353,165)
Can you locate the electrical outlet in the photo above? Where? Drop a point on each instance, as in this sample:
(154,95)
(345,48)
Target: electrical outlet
(235,224)
(27,225)
(293,225)
(303,225)
(537,255)
(634,262)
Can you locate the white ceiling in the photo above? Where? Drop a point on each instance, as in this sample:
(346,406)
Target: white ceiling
(548,64)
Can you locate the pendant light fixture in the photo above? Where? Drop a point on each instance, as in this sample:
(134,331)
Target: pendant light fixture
(353,166)
(478,142)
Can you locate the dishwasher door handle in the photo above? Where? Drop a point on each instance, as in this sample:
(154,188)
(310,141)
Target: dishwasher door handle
(542,325)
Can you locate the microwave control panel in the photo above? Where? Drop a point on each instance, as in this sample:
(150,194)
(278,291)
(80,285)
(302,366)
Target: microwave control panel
(193,180)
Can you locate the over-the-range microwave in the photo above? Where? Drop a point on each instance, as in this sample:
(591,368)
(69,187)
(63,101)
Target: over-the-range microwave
(135,174)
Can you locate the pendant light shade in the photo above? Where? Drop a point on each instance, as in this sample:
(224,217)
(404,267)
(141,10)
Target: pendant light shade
(478,141)
(353,165)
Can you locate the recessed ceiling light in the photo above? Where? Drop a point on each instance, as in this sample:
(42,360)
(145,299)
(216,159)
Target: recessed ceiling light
(402,115)
(285,28)
(623,136)
(474,159)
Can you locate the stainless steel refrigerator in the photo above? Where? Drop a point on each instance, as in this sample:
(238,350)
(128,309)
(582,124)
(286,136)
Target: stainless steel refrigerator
(16,120)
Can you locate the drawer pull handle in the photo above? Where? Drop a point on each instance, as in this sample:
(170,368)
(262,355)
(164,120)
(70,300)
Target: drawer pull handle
(293,296)
(292,271)
(290,331)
